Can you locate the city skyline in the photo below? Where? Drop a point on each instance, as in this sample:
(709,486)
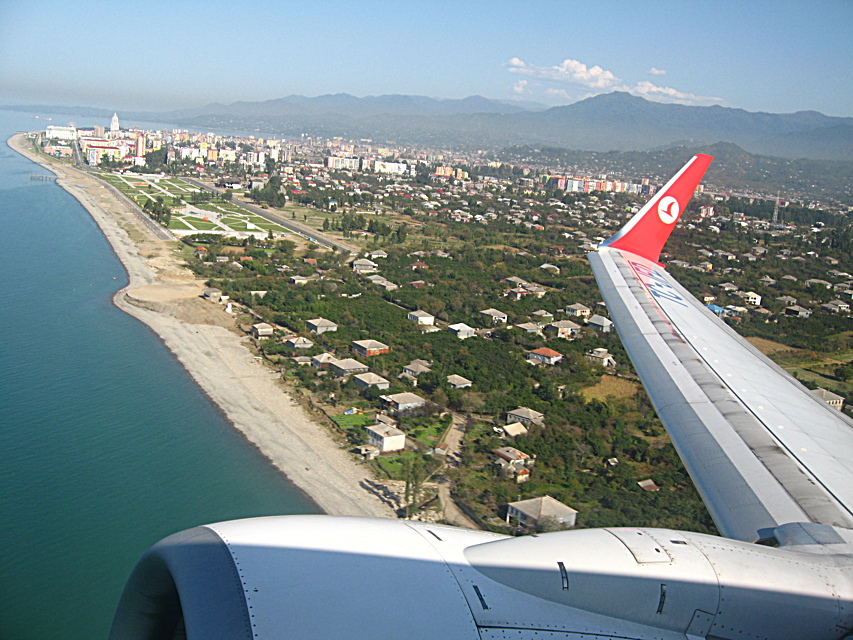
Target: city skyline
(758,56)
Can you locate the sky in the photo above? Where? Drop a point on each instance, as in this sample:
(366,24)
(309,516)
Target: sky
(758,55)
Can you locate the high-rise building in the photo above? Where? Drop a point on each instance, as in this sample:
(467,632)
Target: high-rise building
(114,123)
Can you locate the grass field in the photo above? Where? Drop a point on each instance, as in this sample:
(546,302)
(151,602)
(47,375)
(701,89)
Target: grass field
(610,387)
(353,421)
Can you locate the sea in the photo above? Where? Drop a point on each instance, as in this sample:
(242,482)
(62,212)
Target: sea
(106,444)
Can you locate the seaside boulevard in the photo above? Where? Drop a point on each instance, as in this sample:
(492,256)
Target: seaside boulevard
(165,296)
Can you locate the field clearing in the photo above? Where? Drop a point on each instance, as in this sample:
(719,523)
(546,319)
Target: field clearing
(768,347)
(610,387)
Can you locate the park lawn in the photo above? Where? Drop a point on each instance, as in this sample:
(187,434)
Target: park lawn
(176,223)
(203,225)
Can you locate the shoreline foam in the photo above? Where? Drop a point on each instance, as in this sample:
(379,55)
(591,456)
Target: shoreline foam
(218,361)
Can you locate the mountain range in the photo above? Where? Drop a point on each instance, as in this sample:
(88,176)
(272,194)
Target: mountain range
(608,122)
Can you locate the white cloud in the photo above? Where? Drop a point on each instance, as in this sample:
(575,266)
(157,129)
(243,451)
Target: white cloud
(648,90)
(563,82)
(567,72)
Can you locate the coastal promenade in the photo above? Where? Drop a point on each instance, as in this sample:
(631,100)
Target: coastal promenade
(165,296)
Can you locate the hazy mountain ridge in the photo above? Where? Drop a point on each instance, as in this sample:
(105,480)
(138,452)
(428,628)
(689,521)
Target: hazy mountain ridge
(608,122)
(615,121)
(344,104)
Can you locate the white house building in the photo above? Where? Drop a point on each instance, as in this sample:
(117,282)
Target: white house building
(386,438)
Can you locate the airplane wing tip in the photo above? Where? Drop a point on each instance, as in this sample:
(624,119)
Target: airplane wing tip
(646,233)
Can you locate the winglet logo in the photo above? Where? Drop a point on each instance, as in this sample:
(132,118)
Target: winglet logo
(668,210)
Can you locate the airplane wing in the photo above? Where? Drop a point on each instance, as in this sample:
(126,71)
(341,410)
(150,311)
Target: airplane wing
(762,450)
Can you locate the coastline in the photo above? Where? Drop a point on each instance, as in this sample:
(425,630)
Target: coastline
(165,296)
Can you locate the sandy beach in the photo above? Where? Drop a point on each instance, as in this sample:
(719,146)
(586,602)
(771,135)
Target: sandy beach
(165,296)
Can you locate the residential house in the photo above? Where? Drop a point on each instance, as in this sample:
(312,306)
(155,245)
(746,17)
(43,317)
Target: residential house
(513,456)
(378,253)
(298,280)
(530,327)
(514,463)
(403,402)
(516,281)
(836,306)
(750,297)
(386,438)
(363,265)
(514,429)
(461,330)
(797,311)
(416,368)
(600,323)
(562,329)
(370,379)
(832,399)
(517,293)
(578,310)
(262,330)
(421,317)
(542,317)
(544,511)
(525,416)
(321,325)
(385,284)
(536,290)
(298,342)
(495,316)
(601,356)
(322,360)
(369,348)
(544,356)
(787,299)
(347,367)
(458,382)
(817,282)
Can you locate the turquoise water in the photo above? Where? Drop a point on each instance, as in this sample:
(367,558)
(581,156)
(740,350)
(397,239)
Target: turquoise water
(106,444)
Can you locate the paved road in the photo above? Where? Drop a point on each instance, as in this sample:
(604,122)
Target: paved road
(291,225)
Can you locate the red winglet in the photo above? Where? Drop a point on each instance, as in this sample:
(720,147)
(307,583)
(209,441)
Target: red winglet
(647,232)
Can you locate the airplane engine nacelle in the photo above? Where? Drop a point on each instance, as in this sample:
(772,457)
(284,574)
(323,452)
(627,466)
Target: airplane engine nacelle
(688,583)
(335,577)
